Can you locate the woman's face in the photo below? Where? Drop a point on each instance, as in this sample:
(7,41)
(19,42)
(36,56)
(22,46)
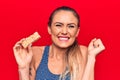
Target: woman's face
(64,29)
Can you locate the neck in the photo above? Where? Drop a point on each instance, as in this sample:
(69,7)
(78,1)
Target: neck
(57,53)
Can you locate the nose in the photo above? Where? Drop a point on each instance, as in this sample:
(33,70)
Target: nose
(64,30)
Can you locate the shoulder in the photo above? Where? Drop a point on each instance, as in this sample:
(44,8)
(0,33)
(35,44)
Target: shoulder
(37,55)
(37,50)
(84,52)
(83,49)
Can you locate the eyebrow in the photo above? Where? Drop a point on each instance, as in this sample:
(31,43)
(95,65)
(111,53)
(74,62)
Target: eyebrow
(63,24)
(58,23)
(72,23)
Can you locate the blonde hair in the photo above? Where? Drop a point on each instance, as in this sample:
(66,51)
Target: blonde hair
(73,59)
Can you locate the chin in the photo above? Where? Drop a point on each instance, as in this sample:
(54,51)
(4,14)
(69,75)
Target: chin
(63,46)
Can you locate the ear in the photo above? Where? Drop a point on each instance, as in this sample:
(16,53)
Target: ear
(77,32)
(49,30)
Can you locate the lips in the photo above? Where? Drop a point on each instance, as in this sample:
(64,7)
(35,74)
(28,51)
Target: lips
(63,38)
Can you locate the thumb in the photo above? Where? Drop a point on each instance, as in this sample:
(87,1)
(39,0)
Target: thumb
(30,49)
(91,43)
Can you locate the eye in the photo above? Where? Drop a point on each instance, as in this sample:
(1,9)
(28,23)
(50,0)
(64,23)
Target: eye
(58,25)
(71,26)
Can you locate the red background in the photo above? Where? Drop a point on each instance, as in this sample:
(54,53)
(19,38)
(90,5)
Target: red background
(99,18)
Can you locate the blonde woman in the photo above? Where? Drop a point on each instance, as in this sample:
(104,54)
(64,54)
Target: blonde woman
(64,59)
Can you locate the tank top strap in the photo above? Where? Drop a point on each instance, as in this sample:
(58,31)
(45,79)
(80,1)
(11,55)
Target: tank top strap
(45,55)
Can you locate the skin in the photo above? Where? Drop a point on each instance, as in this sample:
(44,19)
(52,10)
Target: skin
(63,31)
(64,25)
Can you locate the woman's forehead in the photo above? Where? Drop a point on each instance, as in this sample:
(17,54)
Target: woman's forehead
(63,13)
(64,16)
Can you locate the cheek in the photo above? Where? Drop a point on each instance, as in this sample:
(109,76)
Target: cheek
(73,33)
(55,31)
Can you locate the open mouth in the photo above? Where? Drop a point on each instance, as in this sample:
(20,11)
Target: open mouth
(63,38)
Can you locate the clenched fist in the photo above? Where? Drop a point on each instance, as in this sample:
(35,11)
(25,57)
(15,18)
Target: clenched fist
(95,47)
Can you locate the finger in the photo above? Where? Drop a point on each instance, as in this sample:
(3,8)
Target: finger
(94,39)
(91,43)
(101,44)
(20,41)
(30,50)
(17,47)
(98,43)
(18,44)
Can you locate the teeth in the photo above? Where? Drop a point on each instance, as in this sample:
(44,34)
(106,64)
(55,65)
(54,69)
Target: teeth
(63,38)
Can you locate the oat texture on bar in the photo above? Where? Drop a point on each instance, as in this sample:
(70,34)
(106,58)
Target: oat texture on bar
(30,39)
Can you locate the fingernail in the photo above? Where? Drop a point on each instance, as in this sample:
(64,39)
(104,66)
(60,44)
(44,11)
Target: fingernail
(30,45)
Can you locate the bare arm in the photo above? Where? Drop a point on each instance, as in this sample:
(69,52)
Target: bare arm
(24,74)
(24,59)
(88,65)
(27,73)
(89,69)
(94,48)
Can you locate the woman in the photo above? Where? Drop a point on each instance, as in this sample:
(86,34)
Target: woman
(64,59)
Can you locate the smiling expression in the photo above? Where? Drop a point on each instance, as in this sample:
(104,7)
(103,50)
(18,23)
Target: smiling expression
(64,29)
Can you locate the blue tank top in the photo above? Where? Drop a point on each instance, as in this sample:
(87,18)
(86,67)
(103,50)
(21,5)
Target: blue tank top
(43,72)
